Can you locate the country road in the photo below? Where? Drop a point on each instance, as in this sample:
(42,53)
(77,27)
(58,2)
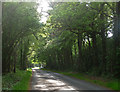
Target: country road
(45,80)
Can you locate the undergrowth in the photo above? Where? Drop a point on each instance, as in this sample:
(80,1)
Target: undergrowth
(16,81)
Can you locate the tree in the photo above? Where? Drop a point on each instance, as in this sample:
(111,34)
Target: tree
(19,21)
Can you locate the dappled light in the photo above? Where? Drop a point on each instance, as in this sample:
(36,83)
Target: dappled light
(60,45)
(48,81)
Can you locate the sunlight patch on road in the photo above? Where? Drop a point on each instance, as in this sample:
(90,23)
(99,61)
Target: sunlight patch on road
(53,81)
(40,86)
(60,85)
(35,68)
(47,81)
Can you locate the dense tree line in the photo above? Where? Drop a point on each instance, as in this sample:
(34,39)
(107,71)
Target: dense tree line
(79,38)
(75,37)
(20,21)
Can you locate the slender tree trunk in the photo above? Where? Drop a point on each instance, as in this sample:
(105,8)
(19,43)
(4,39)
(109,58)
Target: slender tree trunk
(75,57)
(80,51)
(104,51)
(71,57)
(75,49)
(14,69)
(8,65)
(21,56)
(95,51)
(117,26)
(116,36)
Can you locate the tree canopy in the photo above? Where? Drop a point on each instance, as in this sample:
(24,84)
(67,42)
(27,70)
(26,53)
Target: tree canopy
(75,37)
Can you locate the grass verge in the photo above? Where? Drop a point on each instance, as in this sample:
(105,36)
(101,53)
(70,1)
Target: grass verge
(108,83)
(16,81)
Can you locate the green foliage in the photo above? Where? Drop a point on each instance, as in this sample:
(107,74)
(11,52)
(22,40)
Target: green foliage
(75,37)
(20,21)
(24,83)
(15,81)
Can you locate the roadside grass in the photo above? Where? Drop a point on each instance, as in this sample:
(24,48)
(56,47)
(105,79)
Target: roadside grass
(108,83)
(16,81)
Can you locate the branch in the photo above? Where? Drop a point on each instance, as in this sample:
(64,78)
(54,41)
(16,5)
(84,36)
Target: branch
(110,7)
(102,12)
(35,36)
(73,31)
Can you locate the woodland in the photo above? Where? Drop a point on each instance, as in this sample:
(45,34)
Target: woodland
(75,37)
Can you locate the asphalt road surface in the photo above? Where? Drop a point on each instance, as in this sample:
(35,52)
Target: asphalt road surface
(45,80)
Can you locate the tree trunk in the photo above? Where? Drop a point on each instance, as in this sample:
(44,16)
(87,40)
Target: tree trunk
(95,51)
(15,57)
(103,40)
(116,36)
(75,49)
(21,56)
(80,51)
(14,68)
